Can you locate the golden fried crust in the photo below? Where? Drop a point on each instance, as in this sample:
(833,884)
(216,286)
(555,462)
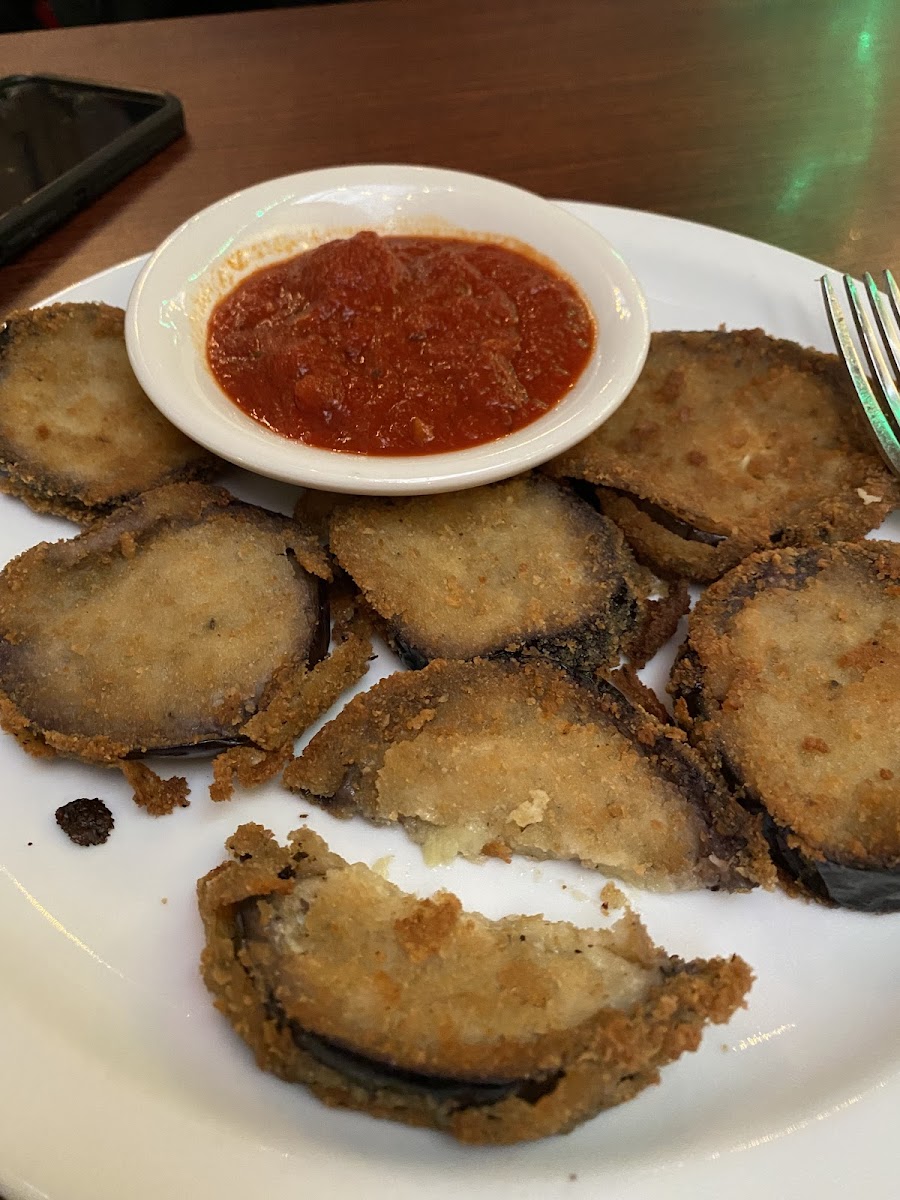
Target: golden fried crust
(306,954)
(183,619)
(156,796)
(658,546)
(274,728)
(522,567)
(494,758)
(790,678)
(661,614)
(738,435)
(77,434)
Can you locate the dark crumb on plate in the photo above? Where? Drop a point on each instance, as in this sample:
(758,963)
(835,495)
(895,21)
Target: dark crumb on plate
(87,822)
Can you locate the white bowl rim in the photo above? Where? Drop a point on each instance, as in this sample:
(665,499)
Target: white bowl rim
(179,261)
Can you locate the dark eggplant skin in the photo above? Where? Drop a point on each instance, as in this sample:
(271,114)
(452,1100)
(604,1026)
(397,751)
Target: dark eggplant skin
(682,529)
(669,521)
(321,638)
(374,1074)
(190,750)
(849,885)
(577,650)
(686,776)
(409,655)
(863,886)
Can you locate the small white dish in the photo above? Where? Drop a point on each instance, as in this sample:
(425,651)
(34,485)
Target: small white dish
(213,251)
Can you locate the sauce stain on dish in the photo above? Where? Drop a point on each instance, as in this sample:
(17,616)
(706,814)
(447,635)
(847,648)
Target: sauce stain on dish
(400,345)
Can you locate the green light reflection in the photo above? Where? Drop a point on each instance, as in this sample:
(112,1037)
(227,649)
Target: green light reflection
(852,79)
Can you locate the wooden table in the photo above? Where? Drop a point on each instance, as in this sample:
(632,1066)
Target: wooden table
(776,120)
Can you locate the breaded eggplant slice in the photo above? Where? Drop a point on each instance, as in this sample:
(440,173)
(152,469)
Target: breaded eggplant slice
(499,757)
(78,436)
(183,621)
(732,442)
(519,568)
(789,681)
(492,1031)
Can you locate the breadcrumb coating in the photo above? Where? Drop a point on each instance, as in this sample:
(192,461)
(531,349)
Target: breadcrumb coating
(522,568)
(731,442)
(789,680)
(78,436)
(415,1010)
(498,758)
(185,619)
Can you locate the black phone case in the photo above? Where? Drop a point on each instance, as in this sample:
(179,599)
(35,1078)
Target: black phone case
(49,207)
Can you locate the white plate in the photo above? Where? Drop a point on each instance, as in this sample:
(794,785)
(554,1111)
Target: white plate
(118,1081)
(213,251)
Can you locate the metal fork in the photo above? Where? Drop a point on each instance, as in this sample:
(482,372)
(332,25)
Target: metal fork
(880,403)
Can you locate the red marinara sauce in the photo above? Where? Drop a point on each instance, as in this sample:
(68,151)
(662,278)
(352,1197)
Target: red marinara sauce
(400,345)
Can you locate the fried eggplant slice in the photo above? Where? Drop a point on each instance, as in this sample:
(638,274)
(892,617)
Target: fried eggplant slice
(491,1031)
(78,436)
(789,681)
(499,758)
(733,442)
(183,621)
(518,568)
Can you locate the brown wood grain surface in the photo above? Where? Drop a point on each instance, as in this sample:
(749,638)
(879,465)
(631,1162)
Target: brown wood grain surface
(778,120)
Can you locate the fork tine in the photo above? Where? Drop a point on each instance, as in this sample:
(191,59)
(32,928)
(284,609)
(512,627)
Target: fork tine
(871,342)
(888,339)
(894,294)
(880,426)
(886,300)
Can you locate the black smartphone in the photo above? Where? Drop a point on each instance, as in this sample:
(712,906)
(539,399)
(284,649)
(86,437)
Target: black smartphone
(64,141)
